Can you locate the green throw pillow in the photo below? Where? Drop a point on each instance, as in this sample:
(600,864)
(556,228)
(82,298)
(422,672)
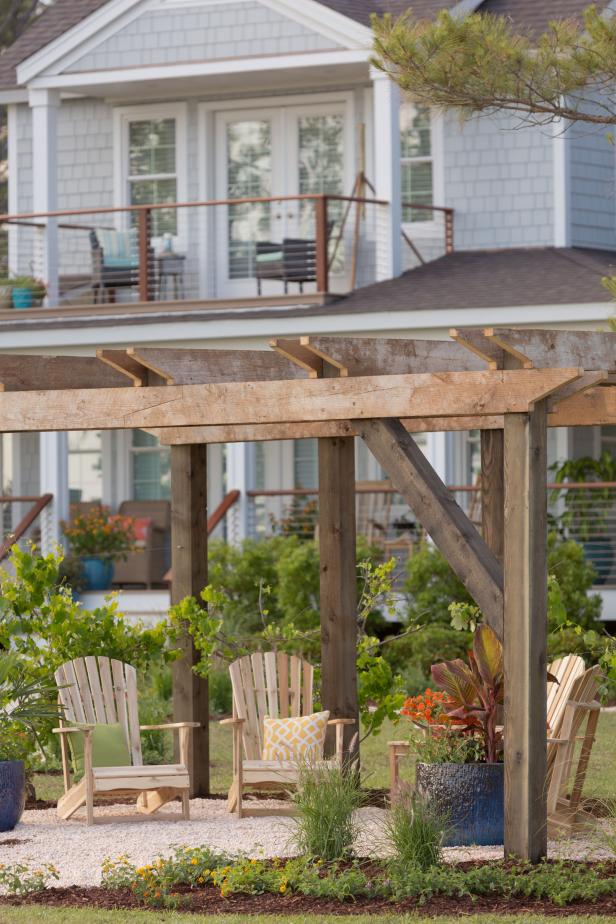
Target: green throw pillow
(109,748)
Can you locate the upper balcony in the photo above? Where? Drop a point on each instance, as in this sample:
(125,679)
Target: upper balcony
(228,253)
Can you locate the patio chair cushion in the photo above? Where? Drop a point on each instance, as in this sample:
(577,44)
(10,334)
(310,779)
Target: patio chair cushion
(109,748)
(119,247)
(269,257)
(295,738)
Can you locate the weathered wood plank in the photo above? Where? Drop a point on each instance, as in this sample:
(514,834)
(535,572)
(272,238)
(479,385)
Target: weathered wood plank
(189,568)
(475,341)
(127,365)
(338,581)
(557,348)
(433,504)
(197,367)
(525,634)
(19,372)
(446,394)
(493,491)
(391,356)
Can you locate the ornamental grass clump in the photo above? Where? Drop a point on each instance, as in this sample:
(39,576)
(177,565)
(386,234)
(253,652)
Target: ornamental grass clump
(414,831)
(326,801)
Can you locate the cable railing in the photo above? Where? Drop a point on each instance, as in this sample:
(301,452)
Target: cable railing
(299,247)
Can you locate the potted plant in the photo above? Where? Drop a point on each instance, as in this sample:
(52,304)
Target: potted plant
(6,294)
(22,703)
(98,540)
(459,770)
(586,510)
(26,291)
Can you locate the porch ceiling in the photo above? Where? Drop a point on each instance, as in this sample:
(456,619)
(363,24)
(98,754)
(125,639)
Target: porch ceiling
(316,386)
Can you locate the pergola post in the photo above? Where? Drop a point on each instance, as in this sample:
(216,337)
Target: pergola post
(338,580)
(525,633)
(189,567)
(493,491)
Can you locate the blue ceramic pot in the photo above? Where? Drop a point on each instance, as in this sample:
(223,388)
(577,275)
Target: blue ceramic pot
(12,793)
(97,572)
(23,298)
(469,798)
(600,553)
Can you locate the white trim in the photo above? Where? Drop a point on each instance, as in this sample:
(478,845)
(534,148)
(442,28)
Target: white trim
(122,116)
(561,152)
(223,67)
(251,331)
(464,8)
(114,14)
(13,186)
(7,97)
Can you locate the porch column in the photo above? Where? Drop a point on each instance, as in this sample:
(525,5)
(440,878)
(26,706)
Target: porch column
(189,567)
(53,479)
(44,105)
(386,98)
(525,633)
(240,477)
(338,580)
(493,490)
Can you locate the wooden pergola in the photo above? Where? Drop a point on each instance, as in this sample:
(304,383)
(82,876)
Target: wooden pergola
(510,384)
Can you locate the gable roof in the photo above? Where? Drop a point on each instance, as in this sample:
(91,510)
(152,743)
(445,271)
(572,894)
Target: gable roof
(532,15)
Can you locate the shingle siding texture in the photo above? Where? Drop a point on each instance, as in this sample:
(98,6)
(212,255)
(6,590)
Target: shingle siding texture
(592,177)
(499,180)
(233,30)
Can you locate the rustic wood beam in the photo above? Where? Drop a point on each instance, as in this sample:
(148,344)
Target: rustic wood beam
(585,381)
(295,352)
(446,394)
(433,504)
(525,634)
(19,372)
(189,569)
(127,365)
(338,582)
(390,356)
(557,348)
(200,367)
(493,491)
(476,342)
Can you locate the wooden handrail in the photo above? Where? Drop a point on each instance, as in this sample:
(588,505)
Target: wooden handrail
(26,521)
(226,503)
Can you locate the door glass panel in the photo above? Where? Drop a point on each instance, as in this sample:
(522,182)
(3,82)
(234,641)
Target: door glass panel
(321,170)
(249,174)
(152,170)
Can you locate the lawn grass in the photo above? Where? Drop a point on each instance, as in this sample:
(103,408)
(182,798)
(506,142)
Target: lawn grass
(33,914)
(600,781)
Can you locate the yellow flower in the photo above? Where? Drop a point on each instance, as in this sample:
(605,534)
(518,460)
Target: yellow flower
(201,879)
(283,887)
(194,861)
(254,862)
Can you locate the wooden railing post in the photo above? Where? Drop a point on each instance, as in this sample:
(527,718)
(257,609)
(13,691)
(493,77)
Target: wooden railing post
(321,244)
(144,230)
(449,248)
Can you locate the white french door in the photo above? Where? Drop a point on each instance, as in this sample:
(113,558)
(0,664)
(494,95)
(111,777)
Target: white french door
(284,151)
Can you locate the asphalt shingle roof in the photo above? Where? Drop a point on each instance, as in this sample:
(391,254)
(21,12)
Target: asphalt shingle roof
(491,279)
(532,15)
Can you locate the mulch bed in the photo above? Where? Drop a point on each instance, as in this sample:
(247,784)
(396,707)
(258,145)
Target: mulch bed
(209,901)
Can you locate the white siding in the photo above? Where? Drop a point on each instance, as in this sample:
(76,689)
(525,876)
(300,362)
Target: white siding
(592,170)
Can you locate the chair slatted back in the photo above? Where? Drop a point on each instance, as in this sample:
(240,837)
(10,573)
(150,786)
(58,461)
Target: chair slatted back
(102,691)
(269,684)
(583,691)
(566,670)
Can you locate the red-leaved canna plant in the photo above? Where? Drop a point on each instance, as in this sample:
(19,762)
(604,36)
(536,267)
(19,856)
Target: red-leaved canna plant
(475,690)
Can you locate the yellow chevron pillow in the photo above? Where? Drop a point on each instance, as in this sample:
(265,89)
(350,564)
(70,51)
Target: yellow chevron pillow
(296,738)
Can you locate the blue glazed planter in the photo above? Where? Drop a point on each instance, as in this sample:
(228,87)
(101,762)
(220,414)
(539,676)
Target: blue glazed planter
(23,298)
(12,793)
(97,572)
(469,797)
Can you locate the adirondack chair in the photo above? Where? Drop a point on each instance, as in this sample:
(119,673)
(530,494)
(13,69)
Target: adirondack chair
(565,784)
(101,691)
(277,685)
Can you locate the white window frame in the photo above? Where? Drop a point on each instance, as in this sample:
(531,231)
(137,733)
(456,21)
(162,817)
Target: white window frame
(436,227)
(122,117)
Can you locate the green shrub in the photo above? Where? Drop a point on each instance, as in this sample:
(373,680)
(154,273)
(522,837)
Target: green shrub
(415,833)
(326,801)
(575,578)
(431,586)
(221,694)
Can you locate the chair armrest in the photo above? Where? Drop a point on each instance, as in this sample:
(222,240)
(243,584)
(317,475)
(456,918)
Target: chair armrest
(169,726)
(235,721)
(70,730)
(341,722)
